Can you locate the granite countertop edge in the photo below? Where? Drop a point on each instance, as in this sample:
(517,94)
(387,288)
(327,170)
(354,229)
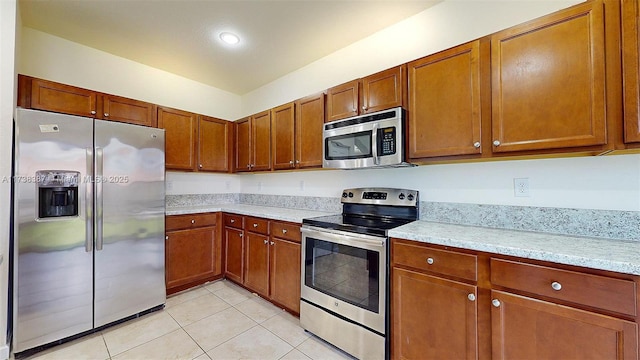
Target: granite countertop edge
(615,255)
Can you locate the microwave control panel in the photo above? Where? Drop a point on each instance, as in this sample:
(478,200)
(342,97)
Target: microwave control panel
(387,141)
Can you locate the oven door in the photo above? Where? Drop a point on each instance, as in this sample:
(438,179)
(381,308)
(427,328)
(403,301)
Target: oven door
(345,273)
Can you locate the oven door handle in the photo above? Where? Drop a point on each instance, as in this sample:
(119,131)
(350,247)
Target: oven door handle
(343,237)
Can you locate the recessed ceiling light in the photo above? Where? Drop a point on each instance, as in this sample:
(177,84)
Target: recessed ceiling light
(229,38)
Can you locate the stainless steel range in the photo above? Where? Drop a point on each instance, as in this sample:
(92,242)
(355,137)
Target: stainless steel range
(345,269)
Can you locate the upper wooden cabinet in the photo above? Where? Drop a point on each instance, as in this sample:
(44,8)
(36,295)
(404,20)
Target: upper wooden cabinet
(548,81)
(180,138)
(309,125)
(376,92)
(51,96)
(445,102)
(296,133)
(215,150)
(631,66)
(130,111)
(253,143)
(283,136)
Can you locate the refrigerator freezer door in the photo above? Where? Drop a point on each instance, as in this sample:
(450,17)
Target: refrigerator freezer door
(53,274)
(130,207)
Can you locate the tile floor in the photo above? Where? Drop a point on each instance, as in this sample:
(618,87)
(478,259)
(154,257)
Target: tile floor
(219,320)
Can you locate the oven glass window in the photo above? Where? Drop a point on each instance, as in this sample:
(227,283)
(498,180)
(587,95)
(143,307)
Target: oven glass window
(349,146)
(345,272)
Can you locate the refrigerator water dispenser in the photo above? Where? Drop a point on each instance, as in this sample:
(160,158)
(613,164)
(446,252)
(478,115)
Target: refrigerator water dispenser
(57,193)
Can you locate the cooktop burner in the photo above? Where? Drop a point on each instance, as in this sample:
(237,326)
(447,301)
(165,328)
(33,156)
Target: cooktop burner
(362,224)
(371,211)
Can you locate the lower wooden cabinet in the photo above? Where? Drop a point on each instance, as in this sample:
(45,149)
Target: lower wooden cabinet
(264,256)
(434,318)
(528,328)
(193,253)
(457,304)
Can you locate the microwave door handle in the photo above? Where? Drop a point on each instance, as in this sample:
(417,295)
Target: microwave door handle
(374,144)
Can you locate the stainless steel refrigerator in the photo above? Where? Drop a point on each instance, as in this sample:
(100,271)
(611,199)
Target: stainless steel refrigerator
(88,240)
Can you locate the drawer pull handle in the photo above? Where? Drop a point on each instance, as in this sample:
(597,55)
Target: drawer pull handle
(471,297)
(430,261)
(556,286)
(255,225)
(495,302)
(284,231)
(193,221)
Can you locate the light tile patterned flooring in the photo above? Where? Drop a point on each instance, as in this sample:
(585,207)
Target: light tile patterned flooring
(219,320)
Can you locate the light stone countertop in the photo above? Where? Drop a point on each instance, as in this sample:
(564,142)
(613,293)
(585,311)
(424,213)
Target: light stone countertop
(596,253)
(275,213)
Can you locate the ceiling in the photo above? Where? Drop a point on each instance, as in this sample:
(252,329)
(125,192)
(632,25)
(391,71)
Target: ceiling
(182,36)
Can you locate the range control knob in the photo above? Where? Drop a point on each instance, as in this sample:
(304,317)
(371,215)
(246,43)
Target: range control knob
(401,196)
(350,194)
(344,194)
(410,197)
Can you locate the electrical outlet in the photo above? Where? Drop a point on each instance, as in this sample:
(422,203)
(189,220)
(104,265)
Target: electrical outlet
(521,187)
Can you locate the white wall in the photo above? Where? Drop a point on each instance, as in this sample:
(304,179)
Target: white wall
(7,99)
(49,57)
(440,27)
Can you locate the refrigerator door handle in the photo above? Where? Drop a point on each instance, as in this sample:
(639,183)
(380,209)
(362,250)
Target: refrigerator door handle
(99,182)
(88,203)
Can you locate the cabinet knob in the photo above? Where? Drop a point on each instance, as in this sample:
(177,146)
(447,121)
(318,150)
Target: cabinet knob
(106,114)
(471,297)
(252,165)
(166,237)
(355,109)
(200,166)
(255,225)
(430,261)
(241,235)
(364,108)
(233,220)
(284,231)
(291,162)
(556,286)
(193,221)
(476,144)
(271,243)
(495,302)
(93,112)
(248,166)
(266,241)
(297,161)
(496,143)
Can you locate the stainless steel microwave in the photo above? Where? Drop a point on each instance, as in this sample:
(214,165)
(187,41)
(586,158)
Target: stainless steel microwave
(366,141)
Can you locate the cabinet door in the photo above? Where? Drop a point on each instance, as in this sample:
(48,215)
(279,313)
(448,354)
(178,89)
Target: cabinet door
(256,275)
(282,136)
(548,81)
(342,101)
(51,96)
(180,138)
(234,253)
(444,103)
(384,90)
(130,111)
(525,328)
(284,273)
(214,144)
(309,126)
(261,141)
(432,318)
(190,255)
(631,66)
(243,145)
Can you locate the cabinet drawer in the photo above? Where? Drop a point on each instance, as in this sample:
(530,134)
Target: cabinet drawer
(177,222)
(287,231)
(233,220)
(257,225)
(439,261)
(591,290)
